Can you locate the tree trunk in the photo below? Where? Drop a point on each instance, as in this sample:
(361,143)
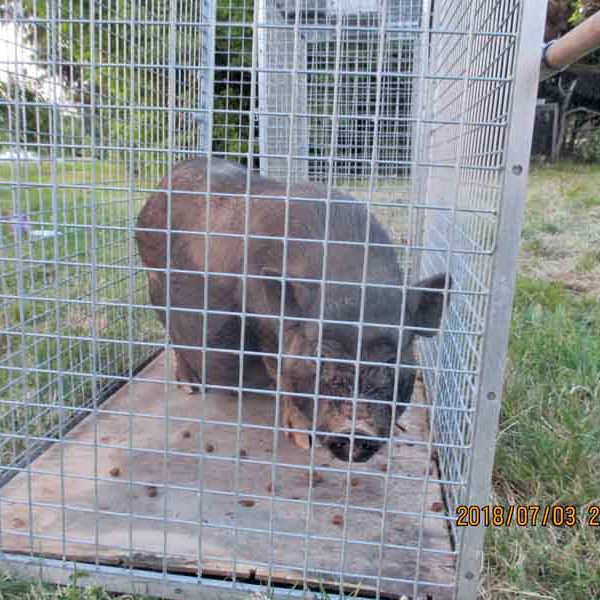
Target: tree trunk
(564,109)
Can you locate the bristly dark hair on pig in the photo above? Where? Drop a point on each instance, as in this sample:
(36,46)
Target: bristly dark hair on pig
(351,430)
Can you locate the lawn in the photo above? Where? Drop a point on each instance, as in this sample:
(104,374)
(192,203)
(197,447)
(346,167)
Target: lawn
(55,354)
(549,444)
(18,590)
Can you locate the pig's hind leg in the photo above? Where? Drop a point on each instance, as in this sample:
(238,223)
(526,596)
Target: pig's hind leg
(186,328)
(185,375)
(188,361)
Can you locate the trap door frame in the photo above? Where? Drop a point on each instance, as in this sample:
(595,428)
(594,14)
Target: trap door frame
(477,470)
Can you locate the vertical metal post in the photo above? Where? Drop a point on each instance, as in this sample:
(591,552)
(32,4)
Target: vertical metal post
(205,76)
(420,131)
(516,164)
(263,85)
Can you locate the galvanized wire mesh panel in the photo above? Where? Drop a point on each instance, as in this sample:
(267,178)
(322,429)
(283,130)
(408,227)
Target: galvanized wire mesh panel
(322,60)
(469,109)
(290,306)
(89,121)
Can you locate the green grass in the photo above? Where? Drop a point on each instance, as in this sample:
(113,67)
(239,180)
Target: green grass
(20,590)
(561,234)
(58,284)
(581,195)
(588,261)
(549,443)
(553,380)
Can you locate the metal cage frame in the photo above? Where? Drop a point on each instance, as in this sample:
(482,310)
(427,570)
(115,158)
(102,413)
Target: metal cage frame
(107,99)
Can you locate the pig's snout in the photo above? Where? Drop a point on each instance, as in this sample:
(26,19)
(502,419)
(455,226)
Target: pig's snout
(362,451)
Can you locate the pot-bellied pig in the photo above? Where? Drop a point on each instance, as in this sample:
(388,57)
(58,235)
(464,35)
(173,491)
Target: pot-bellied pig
(289,233)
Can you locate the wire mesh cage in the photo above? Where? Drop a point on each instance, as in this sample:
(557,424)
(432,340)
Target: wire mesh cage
(257,261)
(312,67)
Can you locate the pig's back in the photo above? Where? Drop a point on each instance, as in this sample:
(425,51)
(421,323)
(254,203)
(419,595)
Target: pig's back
(306,225)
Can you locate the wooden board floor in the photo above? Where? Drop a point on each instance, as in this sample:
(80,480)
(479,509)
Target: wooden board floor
(134,503)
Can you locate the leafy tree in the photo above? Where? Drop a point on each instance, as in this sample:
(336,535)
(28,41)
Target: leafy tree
(577,90)
(123,74)
(233,78)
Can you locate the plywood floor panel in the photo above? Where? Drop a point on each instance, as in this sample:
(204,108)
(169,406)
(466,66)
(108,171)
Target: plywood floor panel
(154,487)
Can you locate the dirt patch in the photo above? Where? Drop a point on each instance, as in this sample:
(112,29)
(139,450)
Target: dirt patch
(561,236)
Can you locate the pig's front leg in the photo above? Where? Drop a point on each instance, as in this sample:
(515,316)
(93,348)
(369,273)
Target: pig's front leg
(183,373)
(293,418)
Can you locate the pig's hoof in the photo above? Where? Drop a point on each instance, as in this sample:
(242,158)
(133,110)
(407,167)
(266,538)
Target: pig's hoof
(302,440)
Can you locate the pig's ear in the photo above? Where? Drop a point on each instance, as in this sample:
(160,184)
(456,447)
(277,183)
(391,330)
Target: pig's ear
(425,306)
(296,294)
(264,298)
(267,295)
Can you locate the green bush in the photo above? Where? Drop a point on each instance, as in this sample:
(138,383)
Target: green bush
(587,148)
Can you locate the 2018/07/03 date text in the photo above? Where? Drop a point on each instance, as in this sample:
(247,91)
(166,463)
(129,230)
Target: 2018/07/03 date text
(524,515)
